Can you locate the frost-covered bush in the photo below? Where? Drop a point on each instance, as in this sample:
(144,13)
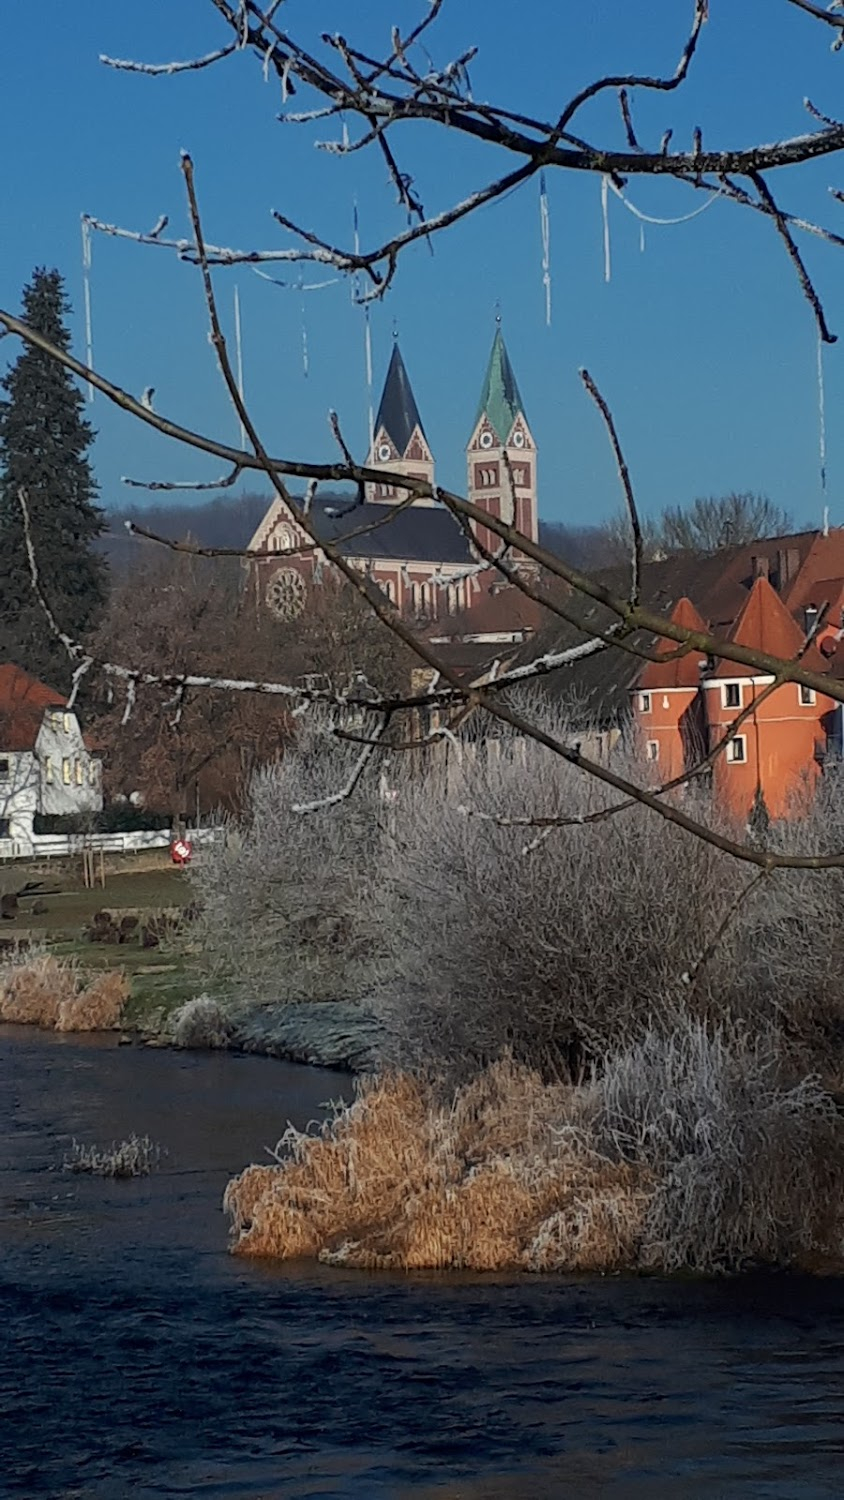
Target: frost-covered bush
(556,944)
(748,1164)
(285,905)
(201,1023)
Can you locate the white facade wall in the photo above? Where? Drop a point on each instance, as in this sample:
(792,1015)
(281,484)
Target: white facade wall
(19,788)
(59,776)
(70,778)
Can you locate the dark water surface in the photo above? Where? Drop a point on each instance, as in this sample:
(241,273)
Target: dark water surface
(138,1359)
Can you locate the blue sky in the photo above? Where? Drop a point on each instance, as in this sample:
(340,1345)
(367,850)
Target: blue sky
(703,344)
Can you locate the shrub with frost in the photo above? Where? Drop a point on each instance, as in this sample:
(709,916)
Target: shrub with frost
(201,1023)
(285,903)
(748,1161)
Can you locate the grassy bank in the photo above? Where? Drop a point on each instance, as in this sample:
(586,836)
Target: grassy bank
(59,916)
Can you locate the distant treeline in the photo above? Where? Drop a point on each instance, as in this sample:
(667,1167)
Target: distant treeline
(222,521)
(231,521)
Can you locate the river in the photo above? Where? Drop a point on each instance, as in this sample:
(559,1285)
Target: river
(139,1359)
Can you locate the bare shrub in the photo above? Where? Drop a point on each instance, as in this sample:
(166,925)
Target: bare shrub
(556,946)
(284,909)
(748,1166)
(33,991)
(134,1157)
(201,1023)
(98,1007)
(401,1179)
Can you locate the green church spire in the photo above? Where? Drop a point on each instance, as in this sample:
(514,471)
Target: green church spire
(500,400)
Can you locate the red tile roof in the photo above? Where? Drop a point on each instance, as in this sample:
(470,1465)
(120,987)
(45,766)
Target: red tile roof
(23,702)
(682,671)
(765,624)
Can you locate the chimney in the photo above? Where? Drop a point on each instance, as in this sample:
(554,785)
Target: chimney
(760,567)
(810,618)
(788,566)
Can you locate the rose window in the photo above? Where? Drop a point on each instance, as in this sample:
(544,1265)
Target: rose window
(286,594)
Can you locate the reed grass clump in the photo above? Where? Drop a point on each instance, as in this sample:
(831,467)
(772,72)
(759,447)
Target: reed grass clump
(406,1180)
(688,1150)
(134,1157)
(41,990)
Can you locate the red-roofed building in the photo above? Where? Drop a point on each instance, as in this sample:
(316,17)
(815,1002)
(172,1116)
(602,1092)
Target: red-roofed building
(684,706)
(45,765)
(668,700)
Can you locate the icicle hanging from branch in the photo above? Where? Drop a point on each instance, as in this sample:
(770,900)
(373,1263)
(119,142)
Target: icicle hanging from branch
(822,436)
(86,292)
(239,351)
(545,230)
(605,215)
(301,287)
(367,332)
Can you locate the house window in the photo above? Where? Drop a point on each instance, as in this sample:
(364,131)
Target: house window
(56,720)
(731,695)
(519,476)
(80,773)
(652,749)
(4,769)
(388,587)
(417,597)
(737,750)
(67,723)
(5,827)
(644,703)
(66,771)
(92,773)
(48,769)
(807,697)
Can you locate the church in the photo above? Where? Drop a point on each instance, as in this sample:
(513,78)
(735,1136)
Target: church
(419,556)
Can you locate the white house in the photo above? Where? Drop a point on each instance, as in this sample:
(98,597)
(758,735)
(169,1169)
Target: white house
(45,764)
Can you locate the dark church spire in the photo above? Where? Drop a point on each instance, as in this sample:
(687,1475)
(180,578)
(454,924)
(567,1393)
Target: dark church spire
(398,413)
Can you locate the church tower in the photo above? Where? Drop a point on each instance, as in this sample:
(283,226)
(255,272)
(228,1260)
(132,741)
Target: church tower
(399,442)
(501,439)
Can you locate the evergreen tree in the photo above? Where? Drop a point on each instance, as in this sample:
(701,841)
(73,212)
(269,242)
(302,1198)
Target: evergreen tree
(44,443)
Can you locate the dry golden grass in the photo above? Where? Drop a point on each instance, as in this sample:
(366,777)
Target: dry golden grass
(41,990)
(98,1007)
(33,990)
(498,1180)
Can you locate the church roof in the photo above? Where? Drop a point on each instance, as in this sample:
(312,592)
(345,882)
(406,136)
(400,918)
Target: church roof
(500,400)
(420,533)
(398,413)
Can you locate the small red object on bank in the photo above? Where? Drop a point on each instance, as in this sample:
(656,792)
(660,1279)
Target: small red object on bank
(181,851)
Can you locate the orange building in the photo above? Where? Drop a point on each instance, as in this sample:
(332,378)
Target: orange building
(685,706)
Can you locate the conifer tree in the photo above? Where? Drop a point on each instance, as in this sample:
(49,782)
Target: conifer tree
(44,443)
